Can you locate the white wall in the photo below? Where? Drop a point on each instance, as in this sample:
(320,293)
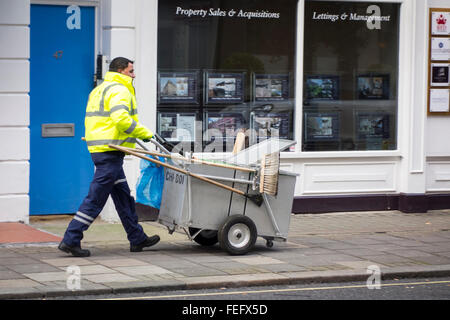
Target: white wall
(437,139)
(118,33)
(119,28)
(130,30)
(412,97)
(14,110)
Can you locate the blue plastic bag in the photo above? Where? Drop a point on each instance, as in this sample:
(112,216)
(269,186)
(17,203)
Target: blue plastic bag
(150,184)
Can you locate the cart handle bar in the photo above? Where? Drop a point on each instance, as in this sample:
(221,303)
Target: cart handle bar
(191,160)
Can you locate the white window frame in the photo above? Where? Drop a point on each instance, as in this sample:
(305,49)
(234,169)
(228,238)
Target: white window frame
(405,79)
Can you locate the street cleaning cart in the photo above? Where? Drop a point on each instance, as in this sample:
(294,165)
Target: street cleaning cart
(231,202)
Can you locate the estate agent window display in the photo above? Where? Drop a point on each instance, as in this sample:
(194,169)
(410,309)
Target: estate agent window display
(224,67)
(350,76)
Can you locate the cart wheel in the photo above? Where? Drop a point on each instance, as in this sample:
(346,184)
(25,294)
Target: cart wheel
(237,235)
(204,238)
(269,243)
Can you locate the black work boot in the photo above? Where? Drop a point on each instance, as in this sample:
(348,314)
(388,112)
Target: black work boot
(75,251)
(150,241)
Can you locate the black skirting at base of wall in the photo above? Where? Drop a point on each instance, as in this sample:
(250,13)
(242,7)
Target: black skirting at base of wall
(408,203)
(146,213)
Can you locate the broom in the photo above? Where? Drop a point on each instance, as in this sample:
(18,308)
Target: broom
(268,181)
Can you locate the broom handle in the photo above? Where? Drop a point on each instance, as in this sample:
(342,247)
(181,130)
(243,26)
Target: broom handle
(177,169)
(193,160)
(184,159)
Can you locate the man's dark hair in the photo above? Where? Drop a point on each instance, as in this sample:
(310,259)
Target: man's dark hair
(119,63)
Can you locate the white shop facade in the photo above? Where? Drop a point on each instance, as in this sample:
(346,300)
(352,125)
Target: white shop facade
(362,86)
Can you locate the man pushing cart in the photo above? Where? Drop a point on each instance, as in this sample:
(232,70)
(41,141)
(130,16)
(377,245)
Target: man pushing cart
(232,202)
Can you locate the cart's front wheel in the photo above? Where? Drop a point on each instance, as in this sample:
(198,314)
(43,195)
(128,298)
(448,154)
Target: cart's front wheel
(205,237)
(237,235)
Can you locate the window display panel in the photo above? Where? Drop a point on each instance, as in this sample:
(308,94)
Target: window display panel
(270,87)
(373,87)
(221,128)
(243,52)
(350,75)
(177,87)
(373,129)
(270,122)
(322,126)
(177,126)
(224,87)
(322,87)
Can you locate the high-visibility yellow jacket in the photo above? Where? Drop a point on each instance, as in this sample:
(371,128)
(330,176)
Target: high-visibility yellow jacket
(111,115)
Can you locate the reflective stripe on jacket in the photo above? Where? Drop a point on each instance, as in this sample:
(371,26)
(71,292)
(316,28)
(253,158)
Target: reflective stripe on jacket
(111,115)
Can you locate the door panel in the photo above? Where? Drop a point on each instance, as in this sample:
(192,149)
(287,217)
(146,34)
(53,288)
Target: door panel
(61,77)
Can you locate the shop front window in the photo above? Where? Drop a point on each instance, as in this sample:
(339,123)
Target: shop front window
(225,66)
(350,90)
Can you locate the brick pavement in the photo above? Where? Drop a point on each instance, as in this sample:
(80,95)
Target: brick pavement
(325,247)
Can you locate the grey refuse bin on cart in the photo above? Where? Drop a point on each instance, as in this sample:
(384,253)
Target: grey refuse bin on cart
(211,214)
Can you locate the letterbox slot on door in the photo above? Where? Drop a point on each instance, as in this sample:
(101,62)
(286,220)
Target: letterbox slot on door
(58,130)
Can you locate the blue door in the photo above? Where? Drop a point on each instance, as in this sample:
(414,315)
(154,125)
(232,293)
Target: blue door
(61,76)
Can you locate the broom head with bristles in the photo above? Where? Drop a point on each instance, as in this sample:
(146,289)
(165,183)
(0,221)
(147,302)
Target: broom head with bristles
(270,165)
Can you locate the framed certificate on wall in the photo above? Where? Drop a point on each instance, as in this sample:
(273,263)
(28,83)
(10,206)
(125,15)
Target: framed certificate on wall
(438,103)
(440,23)
(440,74)
(440,49)
(439,100)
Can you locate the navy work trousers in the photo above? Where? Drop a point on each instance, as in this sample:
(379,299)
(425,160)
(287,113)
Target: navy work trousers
(109,179)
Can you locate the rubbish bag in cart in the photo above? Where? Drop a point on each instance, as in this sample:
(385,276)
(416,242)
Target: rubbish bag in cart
(150,184)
